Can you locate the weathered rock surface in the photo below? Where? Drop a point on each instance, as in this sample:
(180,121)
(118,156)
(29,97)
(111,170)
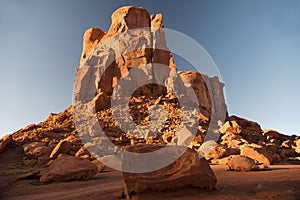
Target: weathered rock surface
(91,39)
(5,141)
(241,163)
(259,154)
(187,171)
(66,168)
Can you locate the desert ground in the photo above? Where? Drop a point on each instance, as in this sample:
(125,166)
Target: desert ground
(280,181)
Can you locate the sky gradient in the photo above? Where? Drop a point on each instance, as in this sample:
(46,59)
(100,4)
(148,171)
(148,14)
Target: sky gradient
(255,44)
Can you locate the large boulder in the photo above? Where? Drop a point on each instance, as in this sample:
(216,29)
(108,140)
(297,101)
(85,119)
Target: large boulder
(187,171)
(260,155)
(241,163)
(66,168)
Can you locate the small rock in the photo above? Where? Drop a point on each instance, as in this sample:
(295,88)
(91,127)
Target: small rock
(83,153)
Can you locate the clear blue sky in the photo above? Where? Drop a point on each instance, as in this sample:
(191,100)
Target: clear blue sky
(255,44)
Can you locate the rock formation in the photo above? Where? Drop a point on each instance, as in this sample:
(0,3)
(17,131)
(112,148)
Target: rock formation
(137,39)
(107,59)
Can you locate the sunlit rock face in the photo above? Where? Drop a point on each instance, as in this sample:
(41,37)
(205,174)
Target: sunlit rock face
(133,56)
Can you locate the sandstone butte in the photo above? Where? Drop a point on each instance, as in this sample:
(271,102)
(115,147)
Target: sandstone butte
(241,146)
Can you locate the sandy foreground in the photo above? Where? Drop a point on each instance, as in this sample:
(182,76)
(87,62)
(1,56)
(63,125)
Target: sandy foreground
(279,182)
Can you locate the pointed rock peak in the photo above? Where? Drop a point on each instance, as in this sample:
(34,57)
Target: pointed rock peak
(157,21)
(91,39)
(128,17)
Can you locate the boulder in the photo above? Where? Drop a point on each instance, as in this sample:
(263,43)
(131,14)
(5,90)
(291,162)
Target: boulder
(100,166)
(232,140)
(258,154)
(297,145)
(246,125)
(36,149)
(66,168)
(287,144)
(220,151)
(83,153)
(61,148)
(241,163)
(5,141)
(187,171)
(231,127)
(250,131)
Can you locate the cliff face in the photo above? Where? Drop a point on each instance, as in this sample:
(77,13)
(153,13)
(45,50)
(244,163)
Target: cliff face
(137,39)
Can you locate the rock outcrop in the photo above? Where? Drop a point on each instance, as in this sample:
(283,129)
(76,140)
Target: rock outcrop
(5,141)
(137,39)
